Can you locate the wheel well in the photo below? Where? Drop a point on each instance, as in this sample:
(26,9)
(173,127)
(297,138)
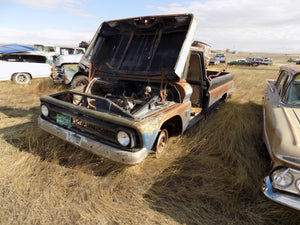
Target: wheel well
(79,74)
(173,125)
(224,97)
(12,76)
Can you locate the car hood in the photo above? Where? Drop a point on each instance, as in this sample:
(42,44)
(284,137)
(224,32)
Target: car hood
(293,118)
(142,46)
(68,59)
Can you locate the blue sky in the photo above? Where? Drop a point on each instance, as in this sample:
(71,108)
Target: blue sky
(243,25)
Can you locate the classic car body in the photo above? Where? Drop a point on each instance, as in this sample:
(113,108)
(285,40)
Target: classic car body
(267,60)
(220,57)
(281,115)
(147,83)
(293,59)
(242,62)
(22,67)
(58,50)
(214,61)
(257,61)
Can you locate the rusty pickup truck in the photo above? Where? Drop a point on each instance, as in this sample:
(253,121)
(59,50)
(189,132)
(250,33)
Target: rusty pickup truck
(147,83)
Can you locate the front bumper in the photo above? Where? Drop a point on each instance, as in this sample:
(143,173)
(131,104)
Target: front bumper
(98,148)
(57,80)
(286,199)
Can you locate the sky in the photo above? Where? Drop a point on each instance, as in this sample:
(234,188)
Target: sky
(242,25)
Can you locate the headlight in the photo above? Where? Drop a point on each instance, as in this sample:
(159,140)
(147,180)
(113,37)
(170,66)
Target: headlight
(298,184)
(45,110)
(123,138)
(282,178)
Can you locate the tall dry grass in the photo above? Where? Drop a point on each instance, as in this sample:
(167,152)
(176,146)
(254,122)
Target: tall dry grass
(210,175)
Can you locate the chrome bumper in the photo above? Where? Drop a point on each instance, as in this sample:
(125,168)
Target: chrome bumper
(286,199)
(91,145)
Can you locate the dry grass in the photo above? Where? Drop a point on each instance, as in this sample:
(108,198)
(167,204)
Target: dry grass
(212,174)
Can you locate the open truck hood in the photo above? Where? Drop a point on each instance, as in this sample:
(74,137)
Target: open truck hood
(143,46)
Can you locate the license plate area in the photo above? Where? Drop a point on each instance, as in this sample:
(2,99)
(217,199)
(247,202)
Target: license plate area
(63,120)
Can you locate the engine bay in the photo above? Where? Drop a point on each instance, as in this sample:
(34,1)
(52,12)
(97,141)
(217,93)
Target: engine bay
(135,98)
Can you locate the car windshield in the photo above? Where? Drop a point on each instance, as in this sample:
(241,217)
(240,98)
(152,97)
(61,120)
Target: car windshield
(292,95)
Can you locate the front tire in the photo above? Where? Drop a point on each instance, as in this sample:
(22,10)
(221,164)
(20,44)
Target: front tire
(21,78)
(162,141)
(80,80)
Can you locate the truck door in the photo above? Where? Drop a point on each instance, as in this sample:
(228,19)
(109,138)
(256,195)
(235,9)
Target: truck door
(195,77)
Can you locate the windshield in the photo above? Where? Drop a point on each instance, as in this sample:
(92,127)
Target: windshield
(292,95)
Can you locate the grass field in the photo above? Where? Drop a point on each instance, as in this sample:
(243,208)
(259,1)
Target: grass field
(210,175)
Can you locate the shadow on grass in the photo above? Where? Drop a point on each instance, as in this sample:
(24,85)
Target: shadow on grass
(219,179)
(15,112)
(16,134)
(30,138)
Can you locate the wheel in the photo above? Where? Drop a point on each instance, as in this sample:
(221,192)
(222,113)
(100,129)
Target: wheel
(21,78)
(162,141)
(80,80)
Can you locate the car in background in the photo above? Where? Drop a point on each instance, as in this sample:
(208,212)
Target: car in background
(293,59)
(53,52)
(66,71)
(22,67)
(56,50)
(220,57)
(257,61)
(281,134)
(267,60)
(242,62)
(214,61)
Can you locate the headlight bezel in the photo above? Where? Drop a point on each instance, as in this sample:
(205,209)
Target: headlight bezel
(282,178)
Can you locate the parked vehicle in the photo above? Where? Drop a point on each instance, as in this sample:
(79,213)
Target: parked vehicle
(214,61)
(281,124)
(22,67)
(257,60)
(147,86)
(71,51)
(243,62)
(267,60)
(57,50)
(293,59)
(221,58)
(66,71)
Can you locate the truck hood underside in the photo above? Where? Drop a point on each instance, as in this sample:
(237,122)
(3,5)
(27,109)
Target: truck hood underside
(144,46)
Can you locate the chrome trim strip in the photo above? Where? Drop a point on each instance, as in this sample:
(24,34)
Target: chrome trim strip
(289,105)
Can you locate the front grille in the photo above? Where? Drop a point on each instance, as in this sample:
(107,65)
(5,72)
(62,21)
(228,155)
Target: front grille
(58,70)
(94,128)
(102,132)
